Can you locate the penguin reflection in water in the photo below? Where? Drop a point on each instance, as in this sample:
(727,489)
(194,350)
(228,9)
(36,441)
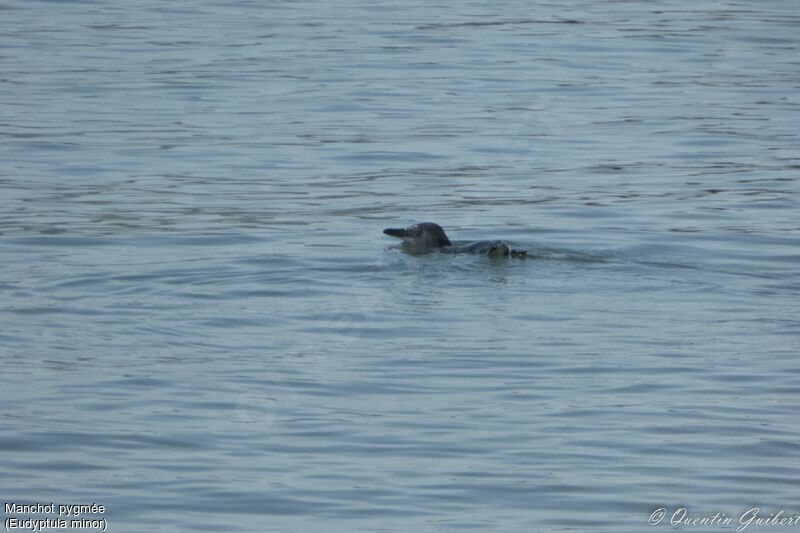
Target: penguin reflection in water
(428,237)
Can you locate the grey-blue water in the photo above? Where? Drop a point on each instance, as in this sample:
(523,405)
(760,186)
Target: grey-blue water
(204,329)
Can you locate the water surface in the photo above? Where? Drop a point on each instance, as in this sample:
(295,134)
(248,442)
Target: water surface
(204,328)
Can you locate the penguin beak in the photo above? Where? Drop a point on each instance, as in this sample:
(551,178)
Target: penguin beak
(396,232)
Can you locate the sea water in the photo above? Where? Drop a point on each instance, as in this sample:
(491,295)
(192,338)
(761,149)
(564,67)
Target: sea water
(204,328)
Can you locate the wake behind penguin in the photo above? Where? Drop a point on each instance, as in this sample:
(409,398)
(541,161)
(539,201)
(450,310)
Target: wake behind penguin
(427,237)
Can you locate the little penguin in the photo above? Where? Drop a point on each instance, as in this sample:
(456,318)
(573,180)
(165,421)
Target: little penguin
(428,237)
